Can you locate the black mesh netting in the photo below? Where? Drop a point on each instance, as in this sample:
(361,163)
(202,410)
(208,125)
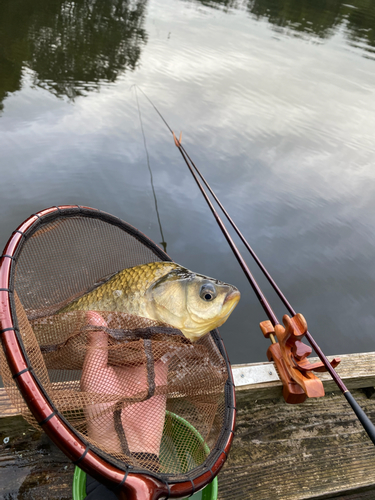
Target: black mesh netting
(136,390)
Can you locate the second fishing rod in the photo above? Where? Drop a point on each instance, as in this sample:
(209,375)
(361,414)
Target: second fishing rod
(361,415)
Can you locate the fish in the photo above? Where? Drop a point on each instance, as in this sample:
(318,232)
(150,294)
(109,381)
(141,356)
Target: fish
(166,292)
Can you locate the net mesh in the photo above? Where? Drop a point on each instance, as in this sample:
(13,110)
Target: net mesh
(135,389)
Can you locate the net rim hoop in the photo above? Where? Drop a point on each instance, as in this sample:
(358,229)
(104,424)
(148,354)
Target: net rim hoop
(137,486)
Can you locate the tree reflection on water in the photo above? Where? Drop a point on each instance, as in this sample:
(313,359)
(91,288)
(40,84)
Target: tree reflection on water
(306,18)
(70,46)
(321,18)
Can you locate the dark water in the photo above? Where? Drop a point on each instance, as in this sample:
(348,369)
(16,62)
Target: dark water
(276,101)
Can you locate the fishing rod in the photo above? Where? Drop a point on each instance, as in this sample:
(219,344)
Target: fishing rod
(361,415)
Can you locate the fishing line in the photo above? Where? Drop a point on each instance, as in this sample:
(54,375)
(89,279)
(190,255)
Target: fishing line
(163,242)
(362,417)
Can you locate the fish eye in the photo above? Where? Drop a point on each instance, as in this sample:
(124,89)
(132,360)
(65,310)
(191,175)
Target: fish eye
(207,292)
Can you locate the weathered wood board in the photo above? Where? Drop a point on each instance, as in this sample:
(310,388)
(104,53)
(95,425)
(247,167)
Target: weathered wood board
(310,451)
(31,466)
(316,450)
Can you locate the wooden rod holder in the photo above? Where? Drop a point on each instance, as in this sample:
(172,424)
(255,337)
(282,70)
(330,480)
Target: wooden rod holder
(290,357)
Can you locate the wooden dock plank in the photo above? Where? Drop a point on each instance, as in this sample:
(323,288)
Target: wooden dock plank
(356,370)
(313,451)
(300,452)
(261,379)
(6,408)
(31,466)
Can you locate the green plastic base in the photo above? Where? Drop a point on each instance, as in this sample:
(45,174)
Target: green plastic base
(179,431)
(79,484)
(209,492)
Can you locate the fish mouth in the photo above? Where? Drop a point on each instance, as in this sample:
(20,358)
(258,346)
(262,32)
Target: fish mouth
(232,296)
(230,302)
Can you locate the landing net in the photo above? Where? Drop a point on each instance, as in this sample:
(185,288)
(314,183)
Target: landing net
(112,378)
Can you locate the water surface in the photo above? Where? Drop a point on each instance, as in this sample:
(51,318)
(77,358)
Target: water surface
(275,101)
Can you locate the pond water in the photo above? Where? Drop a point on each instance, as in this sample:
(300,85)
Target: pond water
(276,103)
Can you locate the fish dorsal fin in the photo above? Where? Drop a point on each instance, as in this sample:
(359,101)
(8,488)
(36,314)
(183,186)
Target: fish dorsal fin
(101,282)
(93,287)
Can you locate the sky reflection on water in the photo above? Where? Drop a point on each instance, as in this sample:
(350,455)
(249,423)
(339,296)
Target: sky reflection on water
(278,111)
